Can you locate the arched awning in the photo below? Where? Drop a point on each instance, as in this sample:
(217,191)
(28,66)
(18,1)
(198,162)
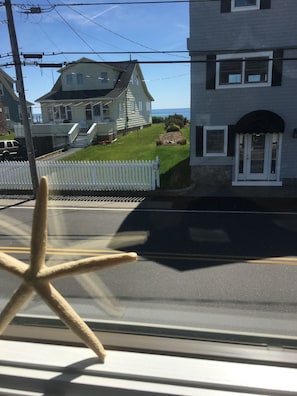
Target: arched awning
(260,121)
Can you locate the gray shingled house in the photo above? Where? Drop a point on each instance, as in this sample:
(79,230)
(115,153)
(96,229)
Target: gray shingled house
(243,93)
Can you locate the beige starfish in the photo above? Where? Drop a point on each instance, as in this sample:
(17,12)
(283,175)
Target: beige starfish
(37,276)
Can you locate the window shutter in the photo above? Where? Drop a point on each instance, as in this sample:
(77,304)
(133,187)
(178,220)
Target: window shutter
(231,140)
(225,5)
(210,72)
(277,67)
(265,4)
(199,141)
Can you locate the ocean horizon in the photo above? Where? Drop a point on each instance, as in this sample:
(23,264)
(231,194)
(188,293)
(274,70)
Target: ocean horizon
(185,111)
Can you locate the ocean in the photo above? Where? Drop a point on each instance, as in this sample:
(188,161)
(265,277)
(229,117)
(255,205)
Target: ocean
(185,111)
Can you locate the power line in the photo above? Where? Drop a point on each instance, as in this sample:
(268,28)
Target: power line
(74,31)
(111,31)
(133,2)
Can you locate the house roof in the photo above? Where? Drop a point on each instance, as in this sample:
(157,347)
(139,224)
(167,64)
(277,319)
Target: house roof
(125,69)
(8,82)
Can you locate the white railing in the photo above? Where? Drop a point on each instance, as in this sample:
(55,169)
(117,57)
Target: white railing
(83,175)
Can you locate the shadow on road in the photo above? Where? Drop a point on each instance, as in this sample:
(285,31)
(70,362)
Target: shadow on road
(203,232)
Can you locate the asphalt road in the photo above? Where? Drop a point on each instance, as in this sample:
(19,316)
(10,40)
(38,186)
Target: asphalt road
(197,267)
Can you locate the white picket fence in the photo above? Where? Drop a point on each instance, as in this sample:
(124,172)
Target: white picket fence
(83,175)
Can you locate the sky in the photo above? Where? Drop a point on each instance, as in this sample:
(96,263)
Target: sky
(67,31)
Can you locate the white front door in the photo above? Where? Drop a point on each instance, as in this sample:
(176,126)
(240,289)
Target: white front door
(258,157)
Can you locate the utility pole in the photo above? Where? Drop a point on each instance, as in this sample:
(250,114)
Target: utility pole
(22,97)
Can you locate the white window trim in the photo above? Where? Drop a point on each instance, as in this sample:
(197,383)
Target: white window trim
(244,8)
(211,128)
(243,56)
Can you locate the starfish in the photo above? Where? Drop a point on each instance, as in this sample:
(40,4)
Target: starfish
(36,277)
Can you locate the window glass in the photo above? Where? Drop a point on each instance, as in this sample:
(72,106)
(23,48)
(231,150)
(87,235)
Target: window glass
(68,79)
(215,141)
(241,5)
(230,72)
(79,79)
(244,70)
(104,77)
(187,159)
(256,70)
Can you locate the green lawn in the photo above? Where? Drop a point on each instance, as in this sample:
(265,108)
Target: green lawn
(141,145)
(7,137)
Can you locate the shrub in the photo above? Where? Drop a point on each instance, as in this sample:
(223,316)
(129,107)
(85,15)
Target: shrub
(182,141)
(157,119)
(172,128)
(176,119)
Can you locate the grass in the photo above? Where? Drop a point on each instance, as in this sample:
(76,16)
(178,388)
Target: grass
(141,145)
(7,137)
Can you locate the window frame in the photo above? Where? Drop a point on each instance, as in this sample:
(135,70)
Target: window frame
(80,79)
(104,77)
(7,112)
(208,128)
(69,79)
(243,57)
(251,7)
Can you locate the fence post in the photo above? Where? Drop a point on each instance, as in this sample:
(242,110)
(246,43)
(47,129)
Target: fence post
(157,172)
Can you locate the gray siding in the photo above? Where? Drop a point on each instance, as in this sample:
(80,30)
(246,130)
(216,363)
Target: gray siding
(212,30)
(227,106)
(215,32)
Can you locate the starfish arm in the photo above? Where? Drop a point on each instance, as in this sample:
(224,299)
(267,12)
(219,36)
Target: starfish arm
(19,298)
(86,265)
(39,228)
(12,265)
(72,320)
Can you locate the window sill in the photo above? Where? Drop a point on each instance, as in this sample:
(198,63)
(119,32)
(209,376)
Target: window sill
(30,368)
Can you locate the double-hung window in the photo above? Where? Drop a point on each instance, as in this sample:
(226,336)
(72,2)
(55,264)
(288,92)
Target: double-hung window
(245,5)
(215,141)
(69,79)
(79,79)
(244,70)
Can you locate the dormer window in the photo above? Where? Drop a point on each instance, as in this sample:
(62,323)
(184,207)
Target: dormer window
(104,77)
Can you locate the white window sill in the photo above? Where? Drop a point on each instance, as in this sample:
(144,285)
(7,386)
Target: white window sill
(28,368)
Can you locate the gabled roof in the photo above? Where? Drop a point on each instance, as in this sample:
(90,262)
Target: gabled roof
(125,69)
(8,82)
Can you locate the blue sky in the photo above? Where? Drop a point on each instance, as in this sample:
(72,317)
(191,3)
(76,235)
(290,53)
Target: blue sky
(62,28)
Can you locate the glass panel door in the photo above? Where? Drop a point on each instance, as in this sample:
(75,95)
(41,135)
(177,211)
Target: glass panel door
(257,157)
(256,165)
